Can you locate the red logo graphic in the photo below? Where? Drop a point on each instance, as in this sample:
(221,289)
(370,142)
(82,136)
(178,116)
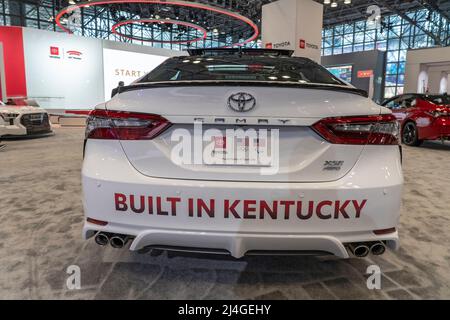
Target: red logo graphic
(220,142)
(54,51)
(302,44)
(74,53)
(269,45)
(365,73)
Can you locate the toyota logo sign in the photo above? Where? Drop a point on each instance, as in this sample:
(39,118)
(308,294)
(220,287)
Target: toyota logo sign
(242,102)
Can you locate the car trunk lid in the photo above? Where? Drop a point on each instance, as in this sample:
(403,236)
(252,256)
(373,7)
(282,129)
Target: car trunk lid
(296,152)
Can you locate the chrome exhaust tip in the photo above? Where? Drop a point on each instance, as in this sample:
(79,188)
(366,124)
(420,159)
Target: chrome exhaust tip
(102,239)
(378,248)
(359,250)
(119,241)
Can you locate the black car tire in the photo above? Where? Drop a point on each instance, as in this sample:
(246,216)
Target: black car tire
(410,135)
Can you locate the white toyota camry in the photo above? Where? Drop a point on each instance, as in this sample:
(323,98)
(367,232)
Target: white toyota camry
(243,152)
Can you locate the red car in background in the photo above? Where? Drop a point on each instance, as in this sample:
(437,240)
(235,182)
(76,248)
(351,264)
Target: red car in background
(422,117)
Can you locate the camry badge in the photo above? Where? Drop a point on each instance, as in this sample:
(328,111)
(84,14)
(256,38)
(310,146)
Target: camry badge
(242,102)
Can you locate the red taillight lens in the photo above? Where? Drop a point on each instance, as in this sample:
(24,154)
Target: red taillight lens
(97,222)
(375,130)
(385,231)
(122,125)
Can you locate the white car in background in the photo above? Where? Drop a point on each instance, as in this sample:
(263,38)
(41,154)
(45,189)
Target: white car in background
(172,162)
(23,120)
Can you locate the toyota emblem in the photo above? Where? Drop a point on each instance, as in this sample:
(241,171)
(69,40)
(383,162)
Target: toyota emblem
(242,102)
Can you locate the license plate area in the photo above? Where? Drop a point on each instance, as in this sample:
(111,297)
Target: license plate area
(236,151)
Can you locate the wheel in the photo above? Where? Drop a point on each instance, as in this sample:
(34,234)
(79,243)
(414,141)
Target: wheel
(410,135)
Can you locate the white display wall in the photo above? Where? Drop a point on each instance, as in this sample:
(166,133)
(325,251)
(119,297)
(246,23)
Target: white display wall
(126,66)
(70,72)
(56,76)
(293,25)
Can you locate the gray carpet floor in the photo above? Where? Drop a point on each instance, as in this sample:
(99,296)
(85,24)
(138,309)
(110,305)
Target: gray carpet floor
(40,237)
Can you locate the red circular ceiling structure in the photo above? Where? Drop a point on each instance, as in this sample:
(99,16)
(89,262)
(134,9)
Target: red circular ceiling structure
(161,21)
(185,4)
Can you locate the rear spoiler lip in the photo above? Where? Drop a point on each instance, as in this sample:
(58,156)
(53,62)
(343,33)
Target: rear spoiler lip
(239,51)
(168,84)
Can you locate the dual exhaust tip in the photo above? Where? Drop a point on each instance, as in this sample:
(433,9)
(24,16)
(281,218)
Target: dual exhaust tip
(362,250)
(117,241)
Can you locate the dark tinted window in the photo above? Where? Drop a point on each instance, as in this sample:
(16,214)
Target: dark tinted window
(439,100)
(245,68)
(393,103)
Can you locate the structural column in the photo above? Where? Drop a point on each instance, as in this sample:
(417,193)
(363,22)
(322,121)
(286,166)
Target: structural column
(3,93)
(293,25)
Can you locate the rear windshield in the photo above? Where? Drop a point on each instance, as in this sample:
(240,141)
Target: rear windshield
(439,100)
(235,68)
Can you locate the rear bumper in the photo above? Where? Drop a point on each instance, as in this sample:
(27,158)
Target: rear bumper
(240,244)
(439,128)
(374,183)
(443,124)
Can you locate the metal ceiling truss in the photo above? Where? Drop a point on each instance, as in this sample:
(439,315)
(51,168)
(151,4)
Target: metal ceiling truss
(97,21)
(230,30)
(437,26)
(357,10)
(433,6)
(404,16)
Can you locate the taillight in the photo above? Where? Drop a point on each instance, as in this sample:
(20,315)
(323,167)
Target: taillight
(375,130)
(385,231)
(122,125)
(97,222)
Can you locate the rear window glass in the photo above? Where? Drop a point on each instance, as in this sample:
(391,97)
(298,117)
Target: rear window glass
(235,68)
(439,100)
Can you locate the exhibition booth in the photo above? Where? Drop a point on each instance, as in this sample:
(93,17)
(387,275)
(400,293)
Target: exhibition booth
(67,72)
(365,70)
(62,71)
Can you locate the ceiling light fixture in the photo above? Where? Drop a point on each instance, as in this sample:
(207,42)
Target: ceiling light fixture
(116,30)
(173,3)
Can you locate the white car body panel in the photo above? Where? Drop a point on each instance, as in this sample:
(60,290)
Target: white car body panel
(107,171)
(135,189)
(272,102)
(290,110)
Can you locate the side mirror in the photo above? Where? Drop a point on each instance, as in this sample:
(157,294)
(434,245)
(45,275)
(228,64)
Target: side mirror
(115,91)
